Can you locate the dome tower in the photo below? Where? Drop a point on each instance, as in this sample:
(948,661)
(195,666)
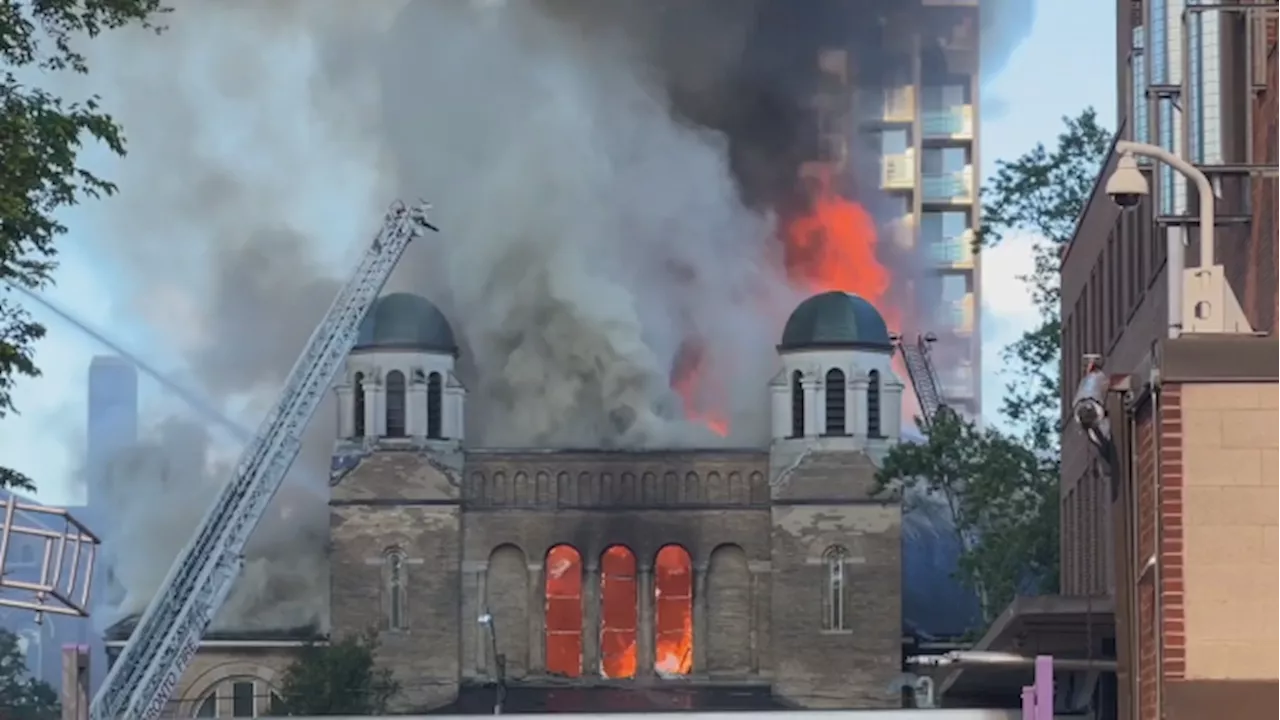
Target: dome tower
(399,381)
(837,383)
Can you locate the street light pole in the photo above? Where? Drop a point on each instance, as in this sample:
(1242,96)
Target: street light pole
(1208,218)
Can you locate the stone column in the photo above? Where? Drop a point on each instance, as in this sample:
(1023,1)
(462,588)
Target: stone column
(483,641)
(814,418)
(346,406)
(856,406)
(645,611)
(759,612)
(892,408)
(453,420)
(781,420)
(700,628)
(415,411)
(537,619)
(75,683)
(591,620)
(375,418)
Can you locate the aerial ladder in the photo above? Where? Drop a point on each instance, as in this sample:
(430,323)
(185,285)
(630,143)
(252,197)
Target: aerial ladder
(148,669)
(915,355)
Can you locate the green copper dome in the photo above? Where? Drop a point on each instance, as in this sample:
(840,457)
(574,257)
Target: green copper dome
(835,320)
(404,321)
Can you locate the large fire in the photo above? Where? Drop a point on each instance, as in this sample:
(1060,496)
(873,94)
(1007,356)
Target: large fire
(619,612)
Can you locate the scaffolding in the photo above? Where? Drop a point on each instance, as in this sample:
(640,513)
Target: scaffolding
(46,559)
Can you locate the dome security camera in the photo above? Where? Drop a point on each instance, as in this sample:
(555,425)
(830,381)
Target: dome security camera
(1127,185)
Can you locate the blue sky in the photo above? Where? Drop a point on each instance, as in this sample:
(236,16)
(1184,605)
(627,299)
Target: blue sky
(1066,64)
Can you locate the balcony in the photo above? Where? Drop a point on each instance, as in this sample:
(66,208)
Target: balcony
(954,188)
(955,123)
(889,105)
(902,231)
(898,172)
(953,253)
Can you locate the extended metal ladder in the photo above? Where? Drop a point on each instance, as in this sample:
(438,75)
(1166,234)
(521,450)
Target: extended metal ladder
(150,665)
(923,377)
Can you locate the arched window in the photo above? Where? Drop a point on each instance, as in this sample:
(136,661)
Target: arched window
(240,698)
(873,404)
(395,404)
(835,402)
(435,391)
(357,396)
(394,593)
(563,639)
(797,404)
(835,588)
(673,604)
(618,613)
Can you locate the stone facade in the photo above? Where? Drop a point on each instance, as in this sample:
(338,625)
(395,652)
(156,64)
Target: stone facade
(475,530)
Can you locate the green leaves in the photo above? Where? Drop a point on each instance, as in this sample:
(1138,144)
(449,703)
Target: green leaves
(996,489)
(338,679)
(1002,488)
(41,137)
(22,697)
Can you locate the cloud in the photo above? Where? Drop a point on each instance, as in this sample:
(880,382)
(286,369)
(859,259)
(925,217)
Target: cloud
(1007,311)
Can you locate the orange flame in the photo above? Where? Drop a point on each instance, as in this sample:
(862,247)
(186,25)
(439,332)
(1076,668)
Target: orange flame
(564,611)
(618,613)
(833,246)
(703,400)
(673,596)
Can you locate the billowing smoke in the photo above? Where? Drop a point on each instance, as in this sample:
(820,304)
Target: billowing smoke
(608,178)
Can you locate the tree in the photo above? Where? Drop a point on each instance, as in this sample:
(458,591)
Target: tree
(22,697)
(338,679)
(40,142)
(1002,489)
(1043,193)
(1001,498)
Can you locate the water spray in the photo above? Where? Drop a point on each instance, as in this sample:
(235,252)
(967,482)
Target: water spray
(200,405)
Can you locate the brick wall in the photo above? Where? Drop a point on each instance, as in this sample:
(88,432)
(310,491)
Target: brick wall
(1159,480)
(1260,291)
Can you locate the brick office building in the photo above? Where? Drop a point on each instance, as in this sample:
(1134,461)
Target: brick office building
(1178,534)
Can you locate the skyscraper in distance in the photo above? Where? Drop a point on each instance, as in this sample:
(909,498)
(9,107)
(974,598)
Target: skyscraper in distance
(112,419)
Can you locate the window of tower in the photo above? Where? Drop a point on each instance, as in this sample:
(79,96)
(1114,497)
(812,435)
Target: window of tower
(797,404)
(618,613)
(835,588)
(673,605)
(395,404)
(873,404)
(435,391)
(835,403)
(357,396)
(564,611)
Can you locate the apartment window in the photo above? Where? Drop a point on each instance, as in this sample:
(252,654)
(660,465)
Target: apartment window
(894,142)
(955,288)
(240,698)
(395,404)
(944,97)
(944,234)
(1138,62)
(944,161)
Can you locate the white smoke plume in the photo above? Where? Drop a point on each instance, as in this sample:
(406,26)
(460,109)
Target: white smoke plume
(261,158)
(588,230)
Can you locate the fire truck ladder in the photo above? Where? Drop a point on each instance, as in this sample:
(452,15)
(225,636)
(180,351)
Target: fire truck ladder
(923,377)
(148,669)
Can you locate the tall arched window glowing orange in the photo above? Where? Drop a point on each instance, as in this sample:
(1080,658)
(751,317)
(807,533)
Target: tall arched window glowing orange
(673,604)
(618,613)
(564,611)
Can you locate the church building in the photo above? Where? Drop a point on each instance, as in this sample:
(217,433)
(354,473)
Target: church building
(583,579)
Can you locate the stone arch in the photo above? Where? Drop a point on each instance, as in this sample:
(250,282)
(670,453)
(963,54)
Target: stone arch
(692,491)
(834,404)
(506,600)
(222,677)
(717,491)
(523,494)
(835,589)
(543,491)
(619,613)
(566,491)
(500,495)
(673,610)
(562,593)
(670,488)
(728,610)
